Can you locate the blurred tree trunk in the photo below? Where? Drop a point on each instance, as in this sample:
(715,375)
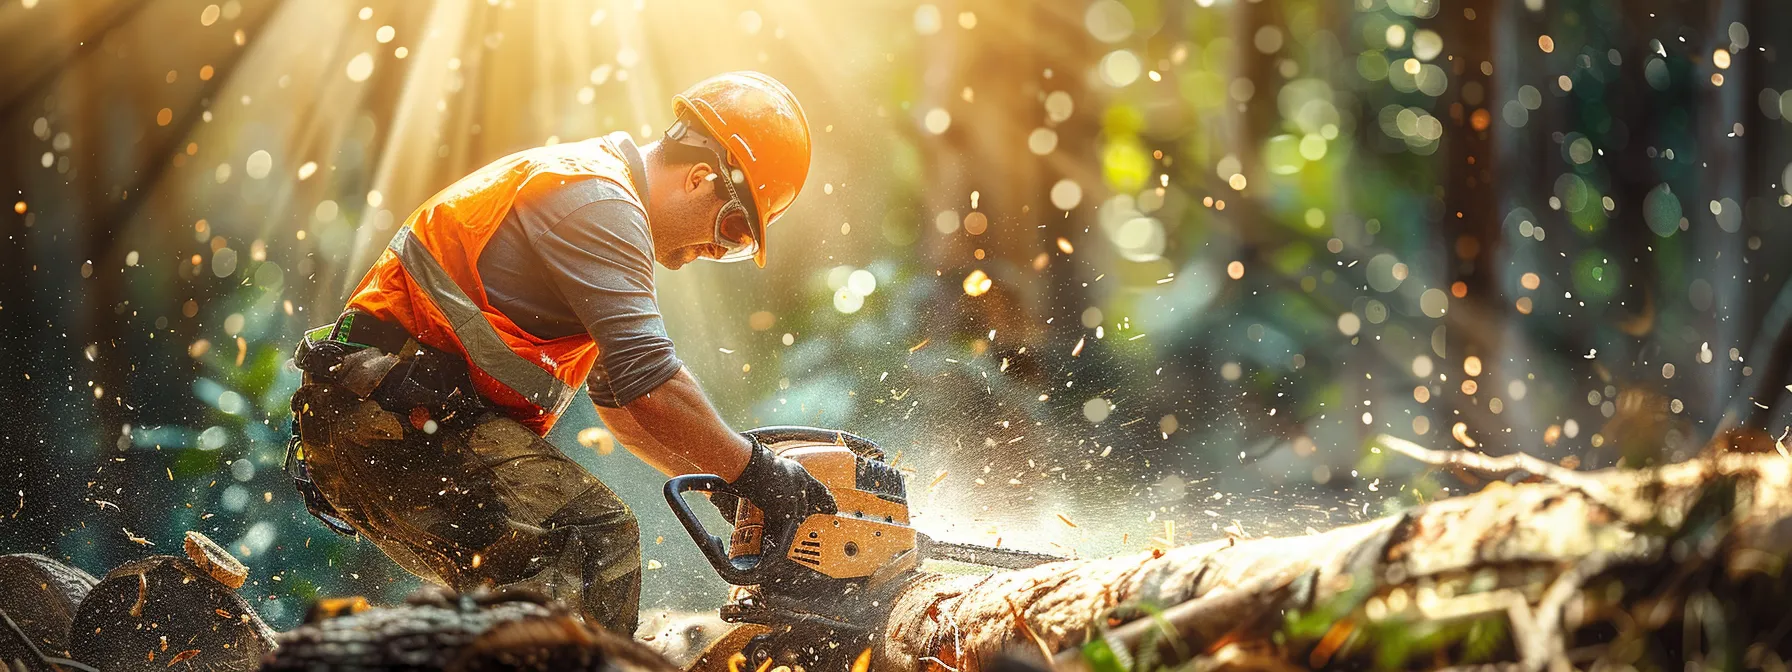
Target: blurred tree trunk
(36,83)
(1764,332)
(43,42)
(1771,350)
(1725,177)
(1471,209)
(113,184)
(1649,309)
(34,509)
(1544,574)
(993,81)
(1250,120)
(103,210)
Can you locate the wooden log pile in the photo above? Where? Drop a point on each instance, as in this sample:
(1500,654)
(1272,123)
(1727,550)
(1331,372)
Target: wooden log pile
(182,613)
(158,613)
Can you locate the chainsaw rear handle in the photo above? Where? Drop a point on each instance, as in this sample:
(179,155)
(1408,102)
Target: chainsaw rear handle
(744,571)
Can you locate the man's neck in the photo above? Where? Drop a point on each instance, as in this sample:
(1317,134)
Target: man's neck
(650,154)
(647,156)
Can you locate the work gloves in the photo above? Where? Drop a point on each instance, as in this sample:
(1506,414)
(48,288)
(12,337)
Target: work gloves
(780,487)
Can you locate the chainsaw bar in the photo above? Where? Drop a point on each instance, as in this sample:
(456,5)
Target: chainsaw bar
(988,556)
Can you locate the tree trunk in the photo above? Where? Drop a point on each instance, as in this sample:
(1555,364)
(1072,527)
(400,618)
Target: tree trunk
(1636,568)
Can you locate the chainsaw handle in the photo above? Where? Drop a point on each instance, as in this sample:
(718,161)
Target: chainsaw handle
(736,571)
(768,436)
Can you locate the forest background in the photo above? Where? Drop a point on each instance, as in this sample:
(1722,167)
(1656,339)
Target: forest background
(1100,275)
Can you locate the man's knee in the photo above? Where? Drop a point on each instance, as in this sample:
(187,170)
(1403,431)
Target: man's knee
(610,542)
(610,536)
(625,526)
(600,512)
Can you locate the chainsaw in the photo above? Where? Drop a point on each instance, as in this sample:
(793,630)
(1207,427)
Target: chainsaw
(812,605)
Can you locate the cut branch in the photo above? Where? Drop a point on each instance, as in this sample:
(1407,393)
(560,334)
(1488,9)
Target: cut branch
(1502,465)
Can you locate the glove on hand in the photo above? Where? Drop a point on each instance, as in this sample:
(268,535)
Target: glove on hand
(780,487)
(726,503)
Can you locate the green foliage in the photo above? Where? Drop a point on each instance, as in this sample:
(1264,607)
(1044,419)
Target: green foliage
(1595,276)
(1101,657)
(1484,639)
(1310,625)
(1126,166)
(1402,643)
(193,464)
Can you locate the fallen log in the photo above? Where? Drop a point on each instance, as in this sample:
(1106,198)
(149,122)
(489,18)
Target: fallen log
(1643,568)
(440,630)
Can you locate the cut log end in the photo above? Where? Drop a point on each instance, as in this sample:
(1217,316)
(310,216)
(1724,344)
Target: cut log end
(215,561)
(152,611)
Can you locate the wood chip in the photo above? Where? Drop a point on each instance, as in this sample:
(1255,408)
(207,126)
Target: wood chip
(182,657)
(215,561)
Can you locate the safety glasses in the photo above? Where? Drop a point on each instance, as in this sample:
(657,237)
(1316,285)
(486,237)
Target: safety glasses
(733,230)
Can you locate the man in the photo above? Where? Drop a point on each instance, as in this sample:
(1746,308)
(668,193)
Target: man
(421,417)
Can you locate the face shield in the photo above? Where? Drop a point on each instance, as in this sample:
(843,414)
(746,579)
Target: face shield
(733,229)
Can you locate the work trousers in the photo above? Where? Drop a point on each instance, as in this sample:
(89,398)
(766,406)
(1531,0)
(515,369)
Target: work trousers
(477,502)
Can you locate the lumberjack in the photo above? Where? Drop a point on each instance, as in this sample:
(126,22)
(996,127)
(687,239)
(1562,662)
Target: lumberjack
(420,421)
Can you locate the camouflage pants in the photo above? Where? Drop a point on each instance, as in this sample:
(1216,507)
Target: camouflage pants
(486,503)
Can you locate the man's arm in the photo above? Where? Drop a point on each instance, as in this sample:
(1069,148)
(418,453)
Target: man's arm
(674,429)
(599,257)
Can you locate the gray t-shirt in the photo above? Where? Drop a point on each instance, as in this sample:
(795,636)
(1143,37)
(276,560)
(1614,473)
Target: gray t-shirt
(575,256)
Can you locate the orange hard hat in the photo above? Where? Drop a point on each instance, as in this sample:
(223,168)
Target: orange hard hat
(765,133)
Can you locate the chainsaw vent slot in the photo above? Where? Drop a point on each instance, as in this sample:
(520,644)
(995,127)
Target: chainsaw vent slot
(880,479)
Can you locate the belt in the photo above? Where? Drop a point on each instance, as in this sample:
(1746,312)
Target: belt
(356,328)
(381,361)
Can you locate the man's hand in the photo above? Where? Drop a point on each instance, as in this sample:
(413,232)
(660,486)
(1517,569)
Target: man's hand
(784,490)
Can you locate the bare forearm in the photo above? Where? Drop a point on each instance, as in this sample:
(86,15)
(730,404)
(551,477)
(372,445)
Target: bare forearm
(674,429)
(642,444)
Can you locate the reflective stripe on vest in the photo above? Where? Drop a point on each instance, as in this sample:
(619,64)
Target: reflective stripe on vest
(485,349)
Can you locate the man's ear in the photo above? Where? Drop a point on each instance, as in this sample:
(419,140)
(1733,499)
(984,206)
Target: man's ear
(699,176)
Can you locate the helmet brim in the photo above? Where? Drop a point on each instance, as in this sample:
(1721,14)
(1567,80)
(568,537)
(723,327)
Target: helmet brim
(683,108)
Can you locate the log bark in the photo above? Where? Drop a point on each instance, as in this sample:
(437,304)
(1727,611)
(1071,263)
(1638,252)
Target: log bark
(439,630)
(1644,568)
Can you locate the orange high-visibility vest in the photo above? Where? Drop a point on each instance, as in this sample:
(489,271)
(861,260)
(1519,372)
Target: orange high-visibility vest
(427,280)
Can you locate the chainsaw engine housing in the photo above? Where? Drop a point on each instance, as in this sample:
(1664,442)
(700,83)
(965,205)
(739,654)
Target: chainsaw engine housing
(869,532)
